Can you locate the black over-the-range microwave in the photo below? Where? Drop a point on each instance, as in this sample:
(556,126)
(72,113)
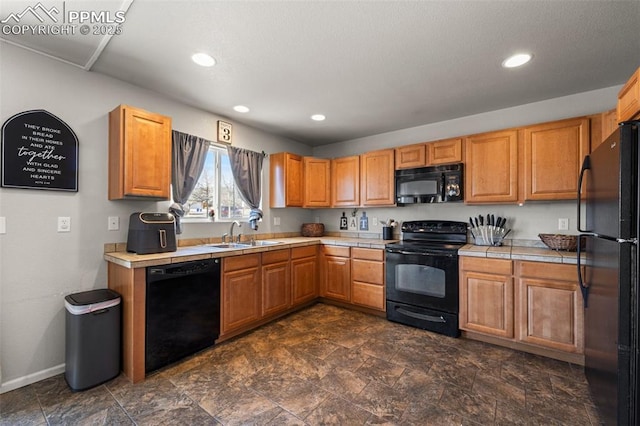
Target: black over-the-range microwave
(436,184)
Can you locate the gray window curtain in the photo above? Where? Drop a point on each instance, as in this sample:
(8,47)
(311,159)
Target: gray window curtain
(188,155)
(246,167)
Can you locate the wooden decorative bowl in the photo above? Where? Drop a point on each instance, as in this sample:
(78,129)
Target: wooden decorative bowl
(312,229)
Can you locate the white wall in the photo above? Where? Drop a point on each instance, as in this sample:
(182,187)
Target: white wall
(527,221)
(39,266)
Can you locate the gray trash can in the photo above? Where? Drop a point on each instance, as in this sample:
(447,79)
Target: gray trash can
(92,341)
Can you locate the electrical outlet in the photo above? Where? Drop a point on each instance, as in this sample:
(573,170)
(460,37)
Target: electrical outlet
(64,224)
(3,225)
(113,223)
(276,221)
(563,224)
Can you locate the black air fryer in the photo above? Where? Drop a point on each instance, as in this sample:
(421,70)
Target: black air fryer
(151,233)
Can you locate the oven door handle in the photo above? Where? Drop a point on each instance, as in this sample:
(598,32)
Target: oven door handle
(420,316)
(421,253)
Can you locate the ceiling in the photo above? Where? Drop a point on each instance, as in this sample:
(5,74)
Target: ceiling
(369,66)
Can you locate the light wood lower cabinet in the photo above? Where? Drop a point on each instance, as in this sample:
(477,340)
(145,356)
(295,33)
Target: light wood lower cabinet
(276,282)
(304,274)
(530,306)
(486,296)
(336,273)
(241,293)
(367,274)
(550,310)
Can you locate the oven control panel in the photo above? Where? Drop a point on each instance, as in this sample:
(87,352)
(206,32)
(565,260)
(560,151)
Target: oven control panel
(435,227)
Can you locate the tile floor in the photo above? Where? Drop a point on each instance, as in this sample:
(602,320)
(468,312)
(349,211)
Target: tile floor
(326,365)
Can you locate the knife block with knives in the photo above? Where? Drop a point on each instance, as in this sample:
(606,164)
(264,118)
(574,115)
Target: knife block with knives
(491,233)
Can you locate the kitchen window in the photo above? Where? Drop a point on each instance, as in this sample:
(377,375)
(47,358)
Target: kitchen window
(216,190)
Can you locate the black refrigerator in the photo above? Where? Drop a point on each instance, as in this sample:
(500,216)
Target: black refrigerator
(610,281)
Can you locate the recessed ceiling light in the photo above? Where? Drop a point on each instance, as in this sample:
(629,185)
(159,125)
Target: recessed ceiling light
(318,117)
(516,60)
(241,108)
(203,59)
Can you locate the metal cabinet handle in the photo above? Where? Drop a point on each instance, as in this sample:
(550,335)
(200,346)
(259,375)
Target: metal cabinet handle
(421,316)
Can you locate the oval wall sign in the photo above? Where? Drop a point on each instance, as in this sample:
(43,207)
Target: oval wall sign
(39,151)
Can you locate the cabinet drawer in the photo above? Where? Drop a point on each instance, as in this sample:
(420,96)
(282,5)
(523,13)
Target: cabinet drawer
(299,252)
(551,271)
(481,264)
(370,295)
(367,254)
(367,271)
(275,256)
(235,263)
(336,251)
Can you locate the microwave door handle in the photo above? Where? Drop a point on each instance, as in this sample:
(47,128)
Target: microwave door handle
(443,188)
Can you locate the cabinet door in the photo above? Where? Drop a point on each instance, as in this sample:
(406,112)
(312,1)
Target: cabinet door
(276,288)
(444,152)
(303,280)
(486,296)
(550,311)
(241,297)
(345,181)
(553,154)
(377,178)
(139,154)
(336,278)
(629,98)
(411,156)
(286,185)
(491,173)
(317,182)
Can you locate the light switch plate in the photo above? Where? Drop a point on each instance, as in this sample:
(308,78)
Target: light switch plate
(64,224)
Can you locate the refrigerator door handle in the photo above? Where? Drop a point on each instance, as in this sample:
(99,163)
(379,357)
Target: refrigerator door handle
(583,288)
(586,165)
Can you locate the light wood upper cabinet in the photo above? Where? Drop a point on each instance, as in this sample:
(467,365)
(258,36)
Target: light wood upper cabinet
(553,154)
(444,152)
(377,178)
(550,310)
(486,296)
(286,183)
(411,156)
(629,99)
(345,181)
(139,154)
(491,169)
(602,126)
(317,182)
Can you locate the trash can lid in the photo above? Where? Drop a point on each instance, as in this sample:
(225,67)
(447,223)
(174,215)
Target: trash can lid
(91,297)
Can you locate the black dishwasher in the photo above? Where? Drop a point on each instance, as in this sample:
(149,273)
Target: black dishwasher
(182,310)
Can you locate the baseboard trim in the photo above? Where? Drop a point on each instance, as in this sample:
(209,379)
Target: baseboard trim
(31,378)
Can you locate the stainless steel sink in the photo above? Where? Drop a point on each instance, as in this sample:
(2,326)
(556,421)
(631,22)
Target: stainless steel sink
(230,245)
(258,243)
